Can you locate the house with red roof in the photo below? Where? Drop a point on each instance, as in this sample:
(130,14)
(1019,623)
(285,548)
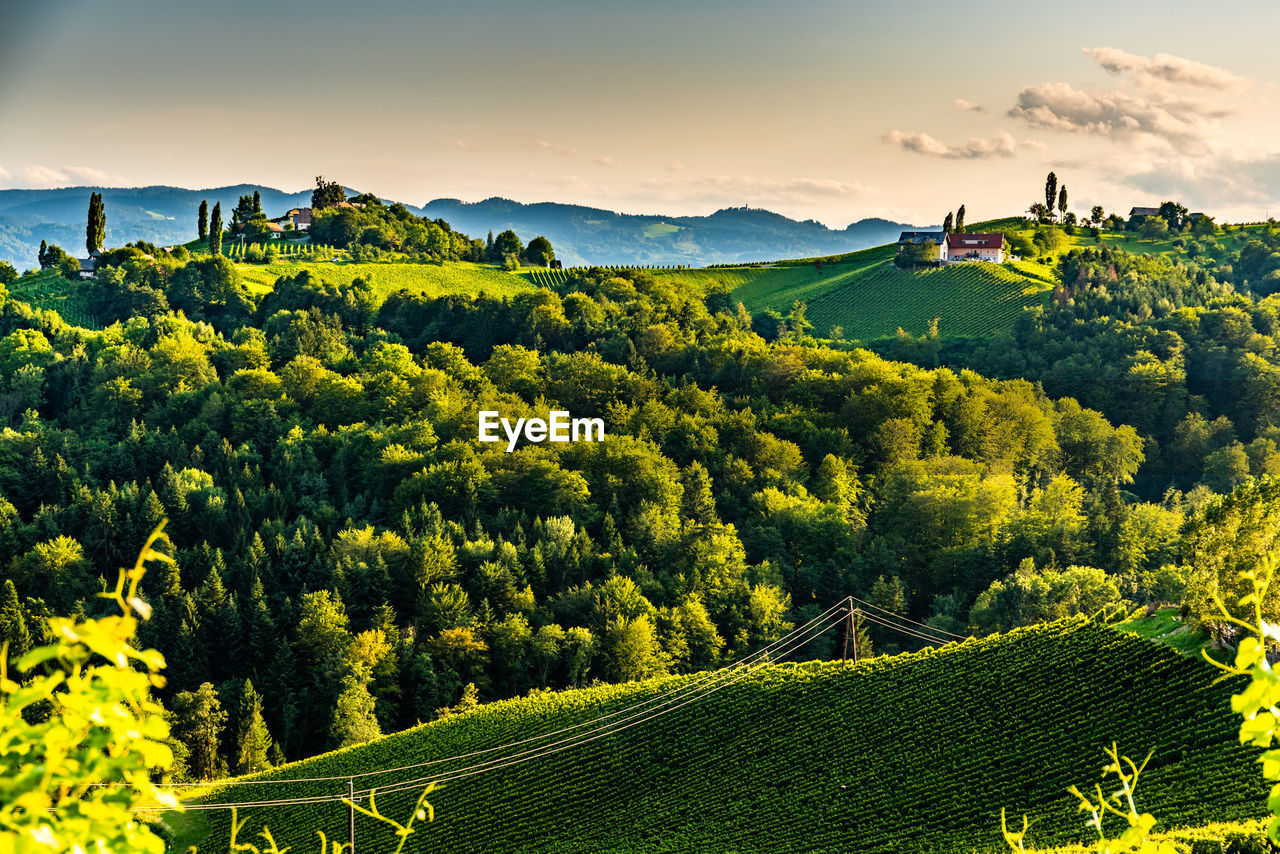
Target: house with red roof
(974,247)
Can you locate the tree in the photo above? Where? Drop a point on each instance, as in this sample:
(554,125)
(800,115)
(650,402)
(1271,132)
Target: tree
(7,273)
(947,223)
(1227,535)
(539,252)
(1050,193)
(257,202)
(202,220)
(353,719)
(960,220)
(1097,214)
(198,723)
(215,230)
(96,228)
(1153,227)
(253,741)
(1062,200)
(506,243)
(1174,214)
(326,194)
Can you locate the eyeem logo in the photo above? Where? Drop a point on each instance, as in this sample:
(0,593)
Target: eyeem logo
(559,428)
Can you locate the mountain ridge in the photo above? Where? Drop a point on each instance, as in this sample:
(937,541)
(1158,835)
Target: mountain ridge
(581,234)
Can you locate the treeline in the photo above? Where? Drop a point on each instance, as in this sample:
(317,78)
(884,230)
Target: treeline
(352,561)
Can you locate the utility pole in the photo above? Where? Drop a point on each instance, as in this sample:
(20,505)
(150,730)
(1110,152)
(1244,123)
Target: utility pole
(853,627)
(351,816)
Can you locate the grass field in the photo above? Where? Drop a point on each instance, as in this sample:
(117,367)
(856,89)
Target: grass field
(904,754)
(454,277)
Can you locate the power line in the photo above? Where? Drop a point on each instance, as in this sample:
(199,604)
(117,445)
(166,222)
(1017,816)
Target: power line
(879,622)
(793,641)
(686,687)
(908,619)
(734,673)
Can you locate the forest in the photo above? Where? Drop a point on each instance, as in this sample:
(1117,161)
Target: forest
(350,560)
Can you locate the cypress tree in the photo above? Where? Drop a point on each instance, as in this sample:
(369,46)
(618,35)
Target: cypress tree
(257,202)
(215,230)
(202,220)
(947,223)
(96,227)
(1050,192)
(960,220)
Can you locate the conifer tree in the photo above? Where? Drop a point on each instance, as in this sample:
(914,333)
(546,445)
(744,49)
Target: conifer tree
(202,220)
(257,202)
(947,223)
(960,220)
(253,741)
(1050,192)
(13,622)
(1062,200)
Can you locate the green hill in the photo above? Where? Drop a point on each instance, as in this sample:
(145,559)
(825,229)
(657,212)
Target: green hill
(453,277)
(913,753)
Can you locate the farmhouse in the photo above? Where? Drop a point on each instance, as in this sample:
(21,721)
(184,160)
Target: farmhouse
(1143,212)
(936,238)
(299,218)
(974,247)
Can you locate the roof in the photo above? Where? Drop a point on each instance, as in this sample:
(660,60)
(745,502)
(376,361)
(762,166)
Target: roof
(975,241)
(86,265)
(921,237)
(1144,212)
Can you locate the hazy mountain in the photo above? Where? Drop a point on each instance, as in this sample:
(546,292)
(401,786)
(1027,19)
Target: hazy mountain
(594,236)
(580,235)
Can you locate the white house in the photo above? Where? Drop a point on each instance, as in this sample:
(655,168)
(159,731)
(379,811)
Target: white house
(974,247)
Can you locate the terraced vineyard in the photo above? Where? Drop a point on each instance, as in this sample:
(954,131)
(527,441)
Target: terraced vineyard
(968,299)
(914,753)
(547,278)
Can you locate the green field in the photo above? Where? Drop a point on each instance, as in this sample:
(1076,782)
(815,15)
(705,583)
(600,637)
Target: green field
(454,277)
(912,753)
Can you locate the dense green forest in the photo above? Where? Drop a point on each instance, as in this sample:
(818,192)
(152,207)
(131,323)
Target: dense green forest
(352,561)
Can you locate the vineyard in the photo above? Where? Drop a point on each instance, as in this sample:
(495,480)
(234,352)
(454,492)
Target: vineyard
(912,753)
(48,290)
(968,299)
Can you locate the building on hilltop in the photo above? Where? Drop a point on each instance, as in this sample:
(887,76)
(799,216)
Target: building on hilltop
(1143,212)
(935,239)
(299,218)
(974,247)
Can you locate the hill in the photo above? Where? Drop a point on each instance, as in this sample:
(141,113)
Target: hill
(453,277)
(911,753)
(867,297)
(582,235)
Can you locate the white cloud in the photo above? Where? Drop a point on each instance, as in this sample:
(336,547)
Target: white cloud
(605,161)
(969,105)
(1164,68)
(1001,145)
(675,166)
(37,177)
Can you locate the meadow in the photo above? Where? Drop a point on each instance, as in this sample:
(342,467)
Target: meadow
(451,277)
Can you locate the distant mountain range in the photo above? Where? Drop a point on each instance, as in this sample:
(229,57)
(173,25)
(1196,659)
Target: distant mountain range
(580,235)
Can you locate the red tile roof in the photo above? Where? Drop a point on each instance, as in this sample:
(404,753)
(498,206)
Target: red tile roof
(964,242)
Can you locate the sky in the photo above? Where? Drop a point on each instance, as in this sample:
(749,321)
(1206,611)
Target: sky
(833,111)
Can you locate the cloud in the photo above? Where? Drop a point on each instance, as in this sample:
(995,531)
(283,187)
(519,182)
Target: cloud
(1164,68)
(605,161)
(553,147)
(675,166)
(1182,123)
(969,105)
(1002,145)
(36,177)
